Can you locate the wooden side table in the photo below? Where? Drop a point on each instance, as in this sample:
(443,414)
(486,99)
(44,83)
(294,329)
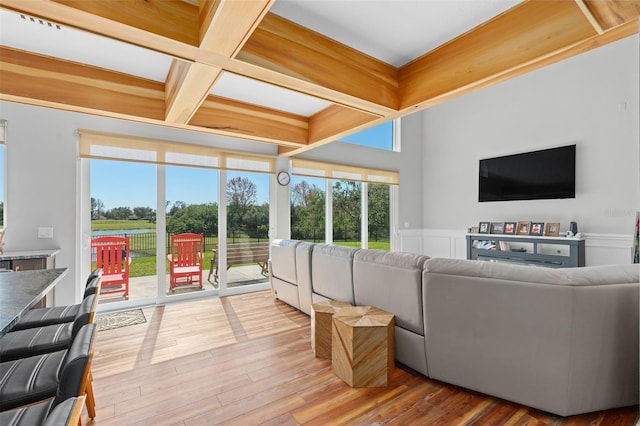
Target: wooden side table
(363,346)
(321,318)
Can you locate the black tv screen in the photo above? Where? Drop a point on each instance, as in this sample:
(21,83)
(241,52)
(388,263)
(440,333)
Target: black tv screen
(537,175)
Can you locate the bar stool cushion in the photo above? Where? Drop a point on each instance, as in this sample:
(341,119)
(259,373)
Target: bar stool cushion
(28,416)
(50,338)
(58,314)
(29,379)
(62,414)
(58,374)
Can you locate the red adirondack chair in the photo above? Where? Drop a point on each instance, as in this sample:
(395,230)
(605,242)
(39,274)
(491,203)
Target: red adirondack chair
(112,255)
(185,260)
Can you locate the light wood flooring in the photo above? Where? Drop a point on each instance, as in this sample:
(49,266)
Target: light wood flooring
(246,360)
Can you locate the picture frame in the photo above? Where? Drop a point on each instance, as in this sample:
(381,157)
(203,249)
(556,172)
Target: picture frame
(497,228)
(510,228)
(537,229)
(474,230)
(523,228)
(552,229)
(483,227)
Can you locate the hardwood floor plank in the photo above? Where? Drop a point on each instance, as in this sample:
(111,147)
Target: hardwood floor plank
(247,360)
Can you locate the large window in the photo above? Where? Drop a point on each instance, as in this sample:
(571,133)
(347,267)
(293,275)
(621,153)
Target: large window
(379,209)
(123,200)
(171,200)
(347,213)
(247,228)
(308,209)
(192,208)
(354,203)
(380,137)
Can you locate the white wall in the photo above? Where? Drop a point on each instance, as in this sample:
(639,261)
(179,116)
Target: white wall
(590,100)
(43,178)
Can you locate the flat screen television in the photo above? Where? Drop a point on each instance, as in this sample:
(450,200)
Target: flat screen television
(537,175)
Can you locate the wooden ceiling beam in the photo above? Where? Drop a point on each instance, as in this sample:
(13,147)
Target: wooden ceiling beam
(612,13)
(333,123)
(290,49)
(54,83)
(523,34)
(187,86)
(270,49)
(527,37)
(251,121)
(37,78)
(380,100)
(589,15)
(176,20)
(224,27)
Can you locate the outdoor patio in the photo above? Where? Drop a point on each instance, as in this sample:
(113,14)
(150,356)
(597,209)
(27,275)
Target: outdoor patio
(145,287)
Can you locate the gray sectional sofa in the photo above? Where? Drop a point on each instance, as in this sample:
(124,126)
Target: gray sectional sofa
(561,340)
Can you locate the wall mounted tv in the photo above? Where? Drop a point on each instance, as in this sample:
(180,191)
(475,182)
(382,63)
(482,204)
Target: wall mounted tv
(537,175)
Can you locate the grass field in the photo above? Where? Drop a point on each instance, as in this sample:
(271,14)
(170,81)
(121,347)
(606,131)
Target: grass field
(117,225)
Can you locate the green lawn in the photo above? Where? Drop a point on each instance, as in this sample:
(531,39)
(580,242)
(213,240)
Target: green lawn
(373,245)
(116,225)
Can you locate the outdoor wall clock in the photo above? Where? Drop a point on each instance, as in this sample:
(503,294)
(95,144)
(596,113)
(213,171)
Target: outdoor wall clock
(283,178)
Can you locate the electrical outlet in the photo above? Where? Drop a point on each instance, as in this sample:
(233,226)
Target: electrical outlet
(45,232)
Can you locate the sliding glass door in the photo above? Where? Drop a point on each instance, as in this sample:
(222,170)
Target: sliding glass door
(123,228)
(247,248)
(191,213)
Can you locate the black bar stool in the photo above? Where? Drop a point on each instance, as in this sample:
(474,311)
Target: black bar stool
(66,413)
(58,314)
(59,375)
(50,338)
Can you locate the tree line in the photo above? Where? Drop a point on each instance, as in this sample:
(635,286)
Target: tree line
(308,211)
(245,218)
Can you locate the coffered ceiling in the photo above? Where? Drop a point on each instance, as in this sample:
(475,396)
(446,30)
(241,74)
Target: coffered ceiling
(295,73)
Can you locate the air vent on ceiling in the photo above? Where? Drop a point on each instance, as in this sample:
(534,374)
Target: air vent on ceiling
(41,22)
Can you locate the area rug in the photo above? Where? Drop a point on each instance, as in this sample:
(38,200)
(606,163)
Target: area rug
(120,319)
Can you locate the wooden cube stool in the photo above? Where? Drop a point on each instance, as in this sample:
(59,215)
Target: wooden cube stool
(363,346)
(321,318)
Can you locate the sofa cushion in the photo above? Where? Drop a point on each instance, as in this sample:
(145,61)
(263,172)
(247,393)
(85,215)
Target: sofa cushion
(303,272)
(283,260)
(332,271)
(604,274)
(391,281)
(501,271)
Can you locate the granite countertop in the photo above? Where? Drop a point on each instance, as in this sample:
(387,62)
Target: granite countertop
(19,291)
(28,254)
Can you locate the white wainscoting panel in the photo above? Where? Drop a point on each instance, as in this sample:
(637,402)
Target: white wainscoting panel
(607,249)
(410,240)
(600,249)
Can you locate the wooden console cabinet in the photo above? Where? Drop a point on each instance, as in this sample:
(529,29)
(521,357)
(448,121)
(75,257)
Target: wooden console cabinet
(551,252)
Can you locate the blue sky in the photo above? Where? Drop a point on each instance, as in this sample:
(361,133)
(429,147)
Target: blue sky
(380,136)
(128,184)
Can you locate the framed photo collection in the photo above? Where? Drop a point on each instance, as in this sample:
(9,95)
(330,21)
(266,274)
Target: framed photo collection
(549,229)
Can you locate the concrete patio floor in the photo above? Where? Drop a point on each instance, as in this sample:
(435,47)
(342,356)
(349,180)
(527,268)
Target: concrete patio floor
(145,287)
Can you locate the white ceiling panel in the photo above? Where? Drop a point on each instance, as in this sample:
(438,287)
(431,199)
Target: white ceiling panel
(255,92)
(47,38)
(394,31)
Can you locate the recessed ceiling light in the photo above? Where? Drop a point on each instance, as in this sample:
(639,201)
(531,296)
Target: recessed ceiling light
(40,21)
